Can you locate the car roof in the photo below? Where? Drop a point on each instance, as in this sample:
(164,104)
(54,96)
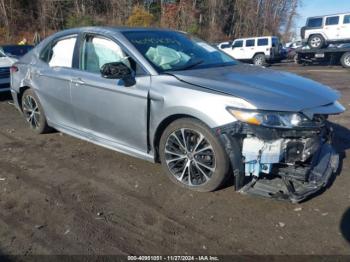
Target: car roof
(115,29)
(109,30)
(113,32)
(321,16)
(255,37)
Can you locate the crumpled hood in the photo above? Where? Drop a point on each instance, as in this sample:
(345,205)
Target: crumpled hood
(264,88)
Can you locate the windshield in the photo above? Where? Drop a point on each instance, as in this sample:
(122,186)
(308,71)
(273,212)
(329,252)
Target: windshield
(171,51)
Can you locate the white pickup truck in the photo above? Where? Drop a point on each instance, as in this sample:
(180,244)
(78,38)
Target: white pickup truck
(5,65)
(259,50)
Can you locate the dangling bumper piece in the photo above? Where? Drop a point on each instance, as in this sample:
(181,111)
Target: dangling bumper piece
(280,164)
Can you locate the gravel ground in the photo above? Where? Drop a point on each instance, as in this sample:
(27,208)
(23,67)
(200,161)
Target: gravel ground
(60,195)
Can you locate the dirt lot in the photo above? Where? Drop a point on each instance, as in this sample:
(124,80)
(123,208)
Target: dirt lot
(60,195)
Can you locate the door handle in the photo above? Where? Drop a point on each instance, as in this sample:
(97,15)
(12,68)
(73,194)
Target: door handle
(77,81)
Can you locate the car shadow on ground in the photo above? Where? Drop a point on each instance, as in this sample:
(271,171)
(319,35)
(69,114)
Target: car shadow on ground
(345,225)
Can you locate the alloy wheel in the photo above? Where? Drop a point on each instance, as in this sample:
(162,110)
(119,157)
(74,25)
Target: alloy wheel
(258,61)
(315,42)
(347,61)
(190,157)
(31,111)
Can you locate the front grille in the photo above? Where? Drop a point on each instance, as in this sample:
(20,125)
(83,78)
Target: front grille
(4,73)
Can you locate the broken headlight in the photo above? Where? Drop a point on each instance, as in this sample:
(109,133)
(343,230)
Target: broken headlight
(273,119)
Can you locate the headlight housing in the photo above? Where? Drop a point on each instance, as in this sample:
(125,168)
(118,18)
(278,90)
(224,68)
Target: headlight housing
(273,119)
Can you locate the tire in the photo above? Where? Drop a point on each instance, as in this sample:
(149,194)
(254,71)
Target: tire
(33,112)
(316,42)
(203,171)
(259,60)
(345,60)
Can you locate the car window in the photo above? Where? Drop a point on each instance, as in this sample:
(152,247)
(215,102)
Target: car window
(250,42)
(226,45)
(315,22)
(238,43)
(61,53)
(263,41)
(275,41)
(332,20)
(98,51)
(347,19)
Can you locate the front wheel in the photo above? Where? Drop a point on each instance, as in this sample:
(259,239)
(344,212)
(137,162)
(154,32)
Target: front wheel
(345,60)
(192,156)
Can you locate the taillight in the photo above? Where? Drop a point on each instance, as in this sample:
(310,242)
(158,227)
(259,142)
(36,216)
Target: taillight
(13,69)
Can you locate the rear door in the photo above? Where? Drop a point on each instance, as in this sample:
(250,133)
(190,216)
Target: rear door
(263,45)
(275,48)
(332,27)
(51,77)
(344,33)
(105,109)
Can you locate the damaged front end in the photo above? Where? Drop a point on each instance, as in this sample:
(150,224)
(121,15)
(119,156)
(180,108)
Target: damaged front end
(281,163)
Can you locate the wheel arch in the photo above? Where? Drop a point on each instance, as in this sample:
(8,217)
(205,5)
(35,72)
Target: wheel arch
(259,53)
(161,128)
(20,93)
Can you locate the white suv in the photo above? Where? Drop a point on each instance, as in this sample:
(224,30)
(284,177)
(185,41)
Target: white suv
(323,30)
(258,50)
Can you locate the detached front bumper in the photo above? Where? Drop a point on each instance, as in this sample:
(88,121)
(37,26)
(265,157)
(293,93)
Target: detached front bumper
(281,164)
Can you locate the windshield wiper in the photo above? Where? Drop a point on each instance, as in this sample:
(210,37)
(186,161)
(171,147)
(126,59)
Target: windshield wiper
(186,67)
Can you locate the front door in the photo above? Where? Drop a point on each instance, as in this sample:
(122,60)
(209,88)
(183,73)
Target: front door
(105,108)
(237,50)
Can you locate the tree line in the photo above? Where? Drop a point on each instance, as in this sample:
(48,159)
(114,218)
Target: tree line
(213,20)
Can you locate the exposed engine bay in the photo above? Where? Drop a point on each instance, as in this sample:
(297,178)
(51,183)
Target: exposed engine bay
(290,164)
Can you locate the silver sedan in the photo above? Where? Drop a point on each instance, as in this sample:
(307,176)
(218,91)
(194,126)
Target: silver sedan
(167,97)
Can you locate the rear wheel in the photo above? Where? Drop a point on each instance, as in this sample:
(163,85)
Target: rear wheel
(259,60)
(192,156)
(345,60)
(316,42)
(34,113)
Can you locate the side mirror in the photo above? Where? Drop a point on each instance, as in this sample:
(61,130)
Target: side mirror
(118,70)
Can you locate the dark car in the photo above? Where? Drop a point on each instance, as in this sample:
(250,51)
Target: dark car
(16,51)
